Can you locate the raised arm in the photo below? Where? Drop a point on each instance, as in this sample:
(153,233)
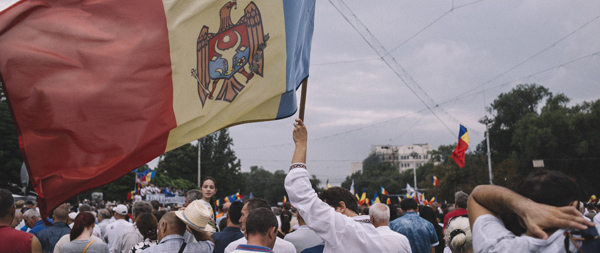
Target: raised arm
(495,200)
(300,138)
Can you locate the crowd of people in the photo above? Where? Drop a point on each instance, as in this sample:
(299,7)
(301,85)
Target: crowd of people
(544,215)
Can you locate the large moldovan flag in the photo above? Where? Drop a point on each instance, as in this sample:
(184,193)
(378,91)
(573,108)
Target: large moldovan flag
(98,88)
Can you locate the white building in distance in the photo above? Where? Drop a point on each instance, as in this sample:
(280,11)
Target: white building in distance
(403,157)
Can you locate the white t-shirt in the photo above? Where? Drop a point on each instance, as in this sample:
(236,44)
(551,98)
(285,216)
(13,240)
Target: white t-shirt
(281,246)
(490,235)
(597,222)
(394,241)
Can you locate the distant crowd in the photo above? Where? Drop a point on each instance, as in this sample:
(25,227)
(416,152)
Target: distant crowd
(544,215)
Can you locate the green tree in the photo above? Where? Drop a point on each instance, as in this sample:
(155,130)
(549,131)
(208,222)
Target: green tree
(219,161)
(10,154)
(269,186)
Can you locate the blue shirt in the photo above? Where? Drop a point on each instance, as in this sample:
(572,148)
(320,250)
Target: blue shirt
(39,226)
(50,236)
(420,232)
(223,238)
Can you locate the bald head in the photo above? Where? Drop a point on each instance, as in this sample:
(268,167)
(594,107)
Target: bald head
(170,225)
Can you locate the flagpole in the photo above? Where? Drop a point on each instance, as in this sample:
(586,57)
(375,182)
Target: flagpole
(303,98)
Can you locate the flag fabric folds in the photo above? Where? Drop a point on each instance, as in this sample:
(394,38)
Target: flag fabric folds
(458,155)
(592,198)
(383,191)
(434,181)
(388,201)
(150,176)
(98,88)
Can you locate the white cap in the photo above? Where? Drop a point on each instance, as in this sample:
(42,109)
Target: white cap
(120,209)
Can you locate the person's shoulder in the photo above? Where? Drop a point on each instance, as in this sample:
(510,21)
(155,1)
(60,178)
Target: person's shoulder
(284,246)
(232,245)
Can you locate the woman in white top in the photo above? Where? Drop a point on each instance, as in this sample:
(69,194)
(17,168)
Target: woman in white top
(208,190)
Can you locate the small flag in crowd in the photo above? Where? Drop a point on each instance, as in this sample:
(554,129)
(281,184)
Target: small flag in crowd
(218,202)
(389,201)
(352,187)
(383,191)
(284,199)
(250,196)
(463,144)
(592,198)
(328,186)
(376,199)
(434,181)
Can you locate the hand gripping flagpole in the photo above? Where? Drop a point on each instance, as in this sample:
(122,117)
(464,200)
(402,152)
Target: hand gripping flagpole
(303,99)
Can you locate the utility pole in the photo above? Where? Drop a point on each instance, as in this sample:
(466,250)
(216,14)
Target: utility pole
(414,155)
(487,121)
(199,161)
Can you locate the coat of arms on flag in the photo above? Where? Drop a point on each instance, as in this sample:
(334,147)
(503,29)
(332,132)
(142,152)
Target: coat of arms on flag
(228,52)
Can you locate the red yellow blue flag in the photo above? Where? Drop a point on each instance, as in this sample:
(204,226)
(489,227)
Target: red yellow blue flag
(388,201)
(284,199)
(458,155)
(97,88)
(434,181)
(383,191)
(376,199)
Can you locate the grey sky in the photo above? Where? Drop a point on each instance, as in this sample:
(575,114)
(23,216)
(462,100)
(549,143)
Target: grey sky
(355,100)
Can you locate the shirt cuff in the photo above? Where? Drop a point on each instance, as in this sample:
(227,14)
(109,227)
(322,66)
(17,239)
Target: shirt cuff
(297,165)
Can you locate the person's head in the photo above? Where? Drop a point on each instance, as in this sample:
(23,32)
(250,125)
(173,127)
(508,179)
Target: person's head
(286,217)
(380,214)
(192,195)
(458,235)
(235,212)
(18,218)
(286,206)
(428,214)
(249,206)
(103,214)
(340,199)
(408,204)
(262,224)
(82,221)
(20,204)
(7,207)
(550,187)
(170,225)
(29,204)
(146,223)
(61,213)
(85,208)
(460,199)
(31,217)
(155,205)
(225,207)
(120,211)
(140,207)
(209,188)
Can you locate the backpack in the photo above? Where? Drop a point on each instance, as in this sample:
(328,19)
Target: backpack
(589,238)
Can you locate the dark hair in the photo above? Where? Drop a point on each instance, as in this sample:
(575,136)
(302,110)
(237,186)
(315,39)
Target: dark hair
(334,195)
(550,187)
(257,203)
(393,211)
(83,220)
(146,223)
(6,202)
(428,214)
(285,217)
(235,212)
(260,220)
(408,204)
(155,204)
(85,208)
(209,178)
(286,206)
(158,214)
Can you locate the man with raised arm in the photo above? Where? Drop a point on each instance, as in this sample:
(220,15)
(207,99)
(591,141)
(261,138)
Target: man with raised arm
(545,206)
(333,216)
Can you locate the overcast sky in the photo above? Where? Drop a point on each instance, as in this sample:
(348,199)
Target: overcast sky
(458,57)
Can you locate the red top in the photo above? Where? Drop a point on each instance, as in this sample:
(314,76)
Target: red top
(13,240)
(450,215)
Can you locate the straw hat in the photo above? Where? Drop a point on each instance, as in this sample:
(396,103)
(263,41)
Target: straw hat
(196,216)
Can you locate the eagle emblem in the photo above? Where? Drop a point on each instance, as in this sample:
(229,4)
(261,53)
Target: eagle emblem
(234,52)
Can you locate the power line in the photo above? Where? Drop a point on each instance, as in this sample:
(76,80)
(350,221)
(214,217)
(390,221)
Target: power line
(374,43)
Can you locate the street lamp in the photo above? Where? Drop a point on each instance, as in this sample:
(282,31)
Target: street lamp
(414,155)
(487,121)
